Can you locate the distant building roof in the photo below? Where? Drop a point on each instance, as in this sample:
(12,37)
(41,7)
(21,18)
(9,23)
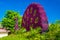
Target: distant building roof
(3,30)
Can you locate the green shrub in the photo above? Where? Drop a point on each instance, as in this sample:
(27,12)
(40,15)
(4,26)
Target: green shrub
(33,34)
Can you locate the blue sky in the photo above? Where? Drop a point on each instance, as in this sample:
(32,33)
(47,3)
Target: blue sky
(52,7)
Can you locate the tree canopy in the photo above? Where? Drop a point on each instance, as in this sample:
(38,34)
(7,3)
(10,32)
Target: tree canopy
(8,21)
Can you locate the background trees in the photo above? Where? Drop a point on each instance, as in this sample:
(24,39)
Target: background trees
(8,21)
(0,25)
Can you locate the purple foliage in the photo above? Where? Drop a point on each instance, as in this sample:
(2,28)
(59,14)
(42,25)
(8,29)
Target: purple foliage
(16,24)
(35,16)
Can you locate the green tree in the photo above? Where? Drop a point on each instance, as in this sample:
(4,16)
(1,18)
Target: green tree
(0,25)
(8,21)
(57,22)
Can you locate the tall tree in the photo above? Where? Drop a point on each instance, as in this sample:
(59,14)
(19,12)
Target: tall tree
(8,21)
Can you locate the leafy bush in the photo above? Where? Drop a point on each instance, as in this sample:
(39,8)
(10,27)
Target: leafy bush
(34,34)
(8,21)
